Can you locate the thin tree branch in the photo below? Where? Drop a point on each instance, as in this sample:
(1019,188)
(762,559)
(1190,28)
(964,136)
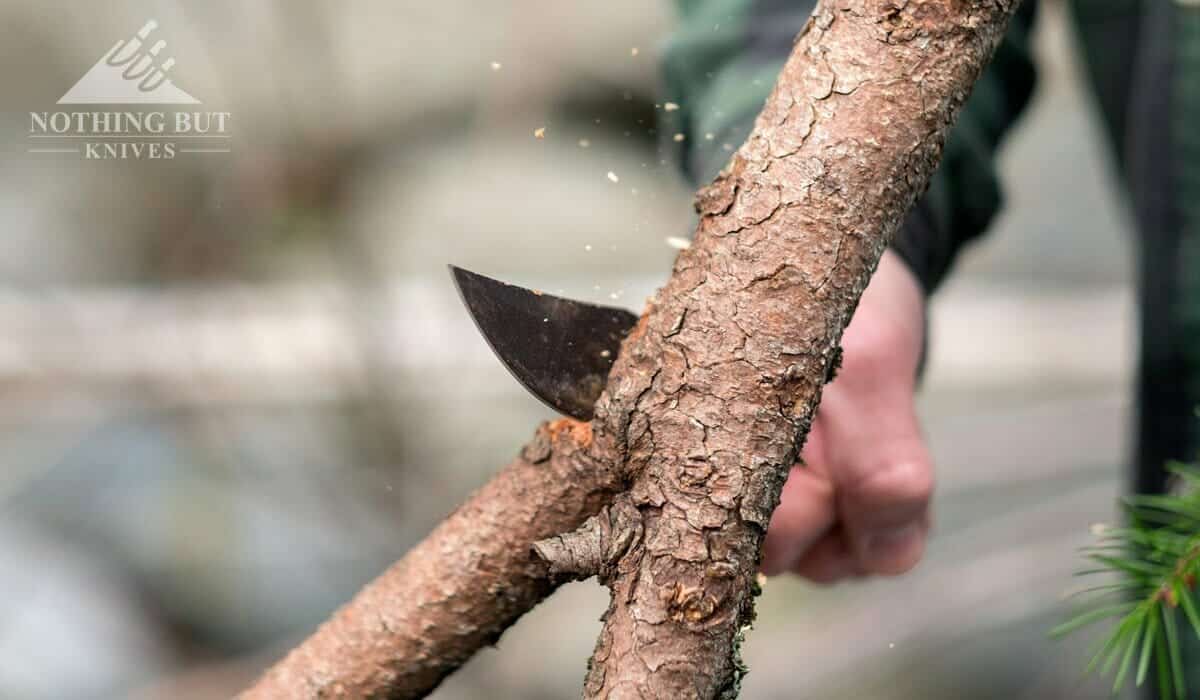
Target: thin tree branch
(457,590)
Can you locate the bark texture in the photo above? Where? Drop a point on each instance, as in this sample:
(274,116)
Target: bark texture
(459,588)
(667,494)
(711,399)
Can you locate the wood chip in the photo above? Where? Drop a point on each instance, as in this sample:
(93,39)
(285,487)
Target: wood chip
(495,65)
(613,176)
(678,243)
(540,132)
(670,106)
(679,137)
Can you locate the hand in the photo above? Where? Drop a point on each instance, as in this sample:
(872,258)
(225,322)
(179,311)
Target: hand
(858,504)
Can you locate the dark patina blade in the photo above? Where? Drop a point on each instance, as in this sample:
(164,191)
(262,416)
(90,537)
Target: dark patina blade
(561,350)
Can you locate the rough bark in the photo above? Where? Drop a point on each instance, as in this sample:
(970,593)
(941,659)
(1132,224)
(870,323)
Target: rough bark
(456,591)
(711,397)
(709,404)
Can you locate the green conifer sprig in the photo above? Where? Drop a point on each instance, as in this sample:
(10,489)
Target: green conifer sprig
(1152,565)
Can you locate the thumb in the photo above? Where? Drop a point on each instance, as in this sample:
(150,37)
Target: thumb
(885,483)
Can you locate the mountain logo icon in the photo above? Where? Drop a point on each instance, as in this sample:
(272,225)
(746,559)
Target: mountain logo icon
(132,72)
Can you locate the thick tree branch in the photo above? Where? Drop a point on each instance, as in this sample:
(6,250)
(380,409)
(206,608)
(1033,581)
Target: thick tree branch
(709,405)
(710,399)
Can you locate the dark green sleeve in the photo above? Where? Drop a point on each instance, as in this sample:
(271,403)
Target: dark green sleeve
(722,62)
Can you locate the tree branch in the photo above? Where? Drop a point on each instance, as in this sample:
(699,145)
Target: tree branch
(711,396)
(709,406)
(457,590)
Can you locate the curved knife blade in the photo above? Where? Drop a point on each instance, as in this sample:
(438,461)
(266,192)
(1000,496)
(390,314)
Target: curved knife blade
(560,350)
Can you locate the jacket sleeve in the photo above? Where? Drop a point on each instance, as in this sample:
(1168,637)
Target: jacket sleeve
(722,62)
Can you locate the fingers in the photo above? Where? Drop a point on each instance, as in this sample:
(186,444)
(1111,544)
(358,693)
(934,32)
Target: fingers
(888,518)
(884,481)
(806,510)
(829,560)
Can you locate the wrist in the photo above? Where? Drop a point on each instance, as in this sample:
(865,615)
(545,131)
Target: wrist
(890,317)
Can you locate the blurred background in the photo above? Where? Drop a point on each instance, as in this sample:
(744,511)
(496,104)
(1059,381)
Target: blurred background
(236,386)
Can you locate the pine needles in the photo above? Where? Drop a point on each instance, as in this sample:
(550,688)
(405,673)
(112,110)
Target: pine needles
(1153,564)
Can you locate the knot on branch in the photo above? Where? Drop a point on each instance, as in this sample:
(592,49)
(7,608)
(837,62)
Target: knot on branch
(717,198)
(596,546)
